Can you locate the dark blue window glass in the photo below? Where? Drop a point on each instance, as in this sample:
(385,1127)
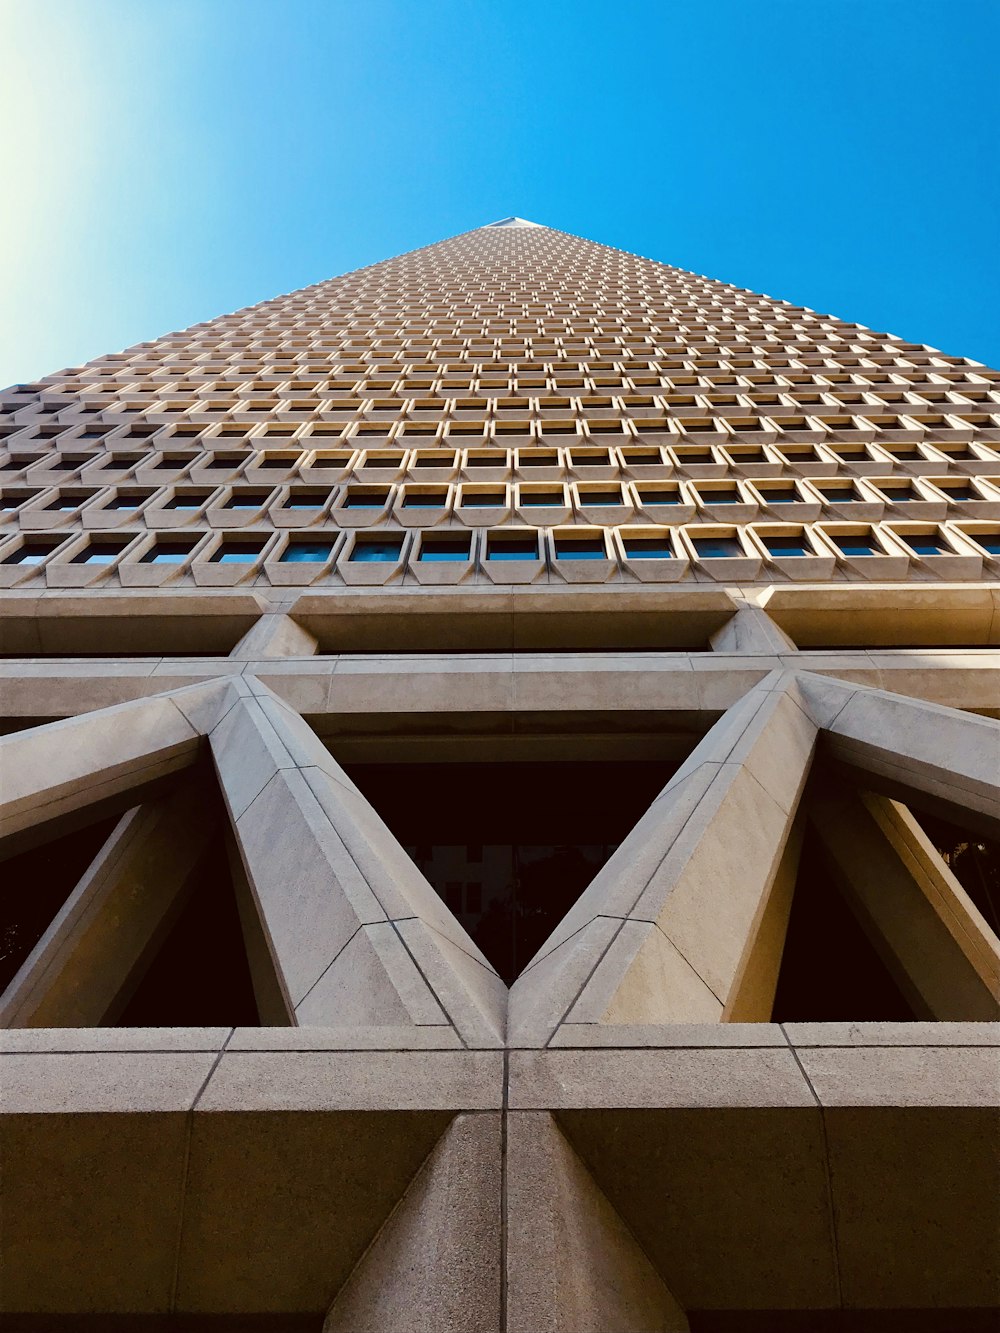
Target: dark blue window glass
(438,549)
(522,548)
(716,548)
(306,552)
(590,548)
(376,552)
(786,546)
(237,553)
(648,548)
(857,546)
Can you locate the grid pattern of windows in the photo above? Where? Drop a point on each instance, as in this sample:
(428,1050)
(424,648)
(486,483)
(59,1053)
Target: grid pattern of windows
(515,380)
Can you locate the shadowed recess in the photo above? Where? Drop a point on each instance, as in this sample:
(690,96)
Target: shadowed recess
(973,859)
(511,846)
(36,884)
(199,976)
(830,970)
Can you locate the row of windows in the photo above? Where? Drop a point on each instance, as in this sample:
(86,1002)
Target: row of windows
(887,550)
(243,376)
(666,500)
(678,416)
(809,458)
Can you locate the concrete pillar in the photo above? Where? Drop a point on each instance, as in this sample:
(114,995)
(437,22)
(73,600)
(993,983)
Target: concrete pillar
(572,1264)
(435,1267)
(274,635)
(751,632)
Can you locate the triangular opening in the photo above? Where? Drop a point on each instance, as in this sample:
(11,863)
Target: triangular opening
(830,970)
(199,975)
(510,846)
(170,951)
(36,884)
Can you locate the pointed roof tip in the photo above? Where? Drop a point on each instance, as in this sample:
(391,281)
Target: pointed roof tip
(510,222)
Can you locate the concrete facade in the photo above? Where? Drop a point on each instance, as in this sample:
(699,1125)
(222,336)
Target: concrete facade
(513,498)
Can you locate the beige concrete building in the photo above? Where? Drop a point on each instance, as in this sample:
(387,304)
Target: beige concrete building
(500,810)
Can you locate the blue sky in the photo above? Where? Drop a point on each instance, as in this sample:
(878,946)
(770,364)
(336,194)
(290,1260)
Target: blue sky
(170,160)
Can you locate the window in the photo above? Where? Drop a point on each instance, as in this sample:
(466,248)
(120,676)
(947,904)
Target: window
(236,553)
(580,548)
(99,553)
(648,548)
(786,546)
(356,498)
(376,551)
(863,546)
(512,548)
(717,548)
(168,553)
(306,552)
(31,553)
(444,548)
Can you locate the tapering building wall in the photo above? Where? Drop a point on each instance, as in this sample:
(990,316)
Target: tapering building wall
(500,809)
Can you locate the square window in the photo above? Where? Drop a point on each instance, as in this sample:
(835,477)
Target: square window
(786,546)
(444,548)
(648,548)
(306,552)
(236,553)
(717,548)
(31,553)
(360,499)
(385,551)
(925,544)
(98,553)
(168,553)
(581,548)
(858,546)
(512,548)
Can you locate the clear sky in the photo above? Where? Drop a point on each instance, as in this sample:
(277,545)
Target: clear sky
(165,161)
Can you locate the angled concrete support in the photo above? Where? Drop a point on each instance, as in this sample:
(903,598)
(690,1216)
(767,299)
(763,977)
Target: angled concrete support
(435,1265)
(572,1264)
(941,952)
(274,635)
(355,933)
(907,745)
(50,772)
(751,633)
(81,972)
(666,931)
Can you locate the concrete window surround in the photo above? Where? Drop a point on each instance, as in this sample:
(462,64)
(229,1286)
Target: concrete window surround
(623,1139)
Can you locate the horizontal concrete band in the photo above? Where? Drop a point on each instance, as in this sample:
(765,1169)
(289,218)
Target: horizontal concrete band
(531,618)
(713,1155)
(72,1071)
(45,689)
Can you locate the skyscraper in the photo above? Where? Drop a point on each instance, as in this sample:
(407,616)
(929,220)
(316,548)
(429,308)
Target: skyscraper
(500,804)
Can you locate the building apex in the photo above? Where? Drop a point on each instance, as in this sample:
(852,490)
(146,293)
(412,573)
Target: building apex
(513,222)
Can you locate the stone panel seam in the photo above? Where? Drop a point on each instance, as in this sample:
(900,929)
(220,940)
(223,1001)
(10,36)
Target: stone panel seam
(827,1167)
(425,979)
(585,983)
(175,1279)
(326,969)
(504,1112)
